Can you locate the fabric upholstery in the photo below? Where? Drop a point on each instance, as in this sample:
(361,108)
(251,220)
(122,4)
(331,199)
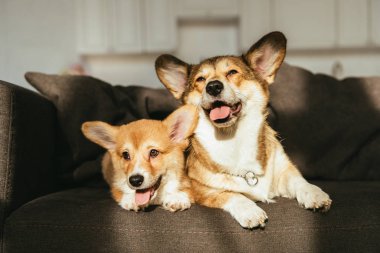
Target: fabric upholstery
(77,99)
(88,220)
(27,133)
(83,98)
(330,128)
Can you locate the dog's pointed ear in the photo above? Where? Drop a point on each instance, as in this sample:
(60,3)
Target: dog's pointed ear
(101,133)
(266,55)
(173,73)
(181,123)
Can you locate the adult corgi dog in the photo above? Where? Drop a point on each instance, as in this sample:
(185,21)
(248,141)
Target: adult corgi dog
(235,157)
(145,162)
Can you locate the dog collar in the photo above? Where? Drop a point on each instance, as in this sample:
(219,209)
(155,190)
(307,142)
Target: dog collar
(251,178)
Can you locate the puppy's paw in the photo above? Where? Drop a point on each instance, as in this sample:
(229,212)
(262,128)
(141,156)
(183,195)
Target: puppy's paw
(252,218)
(128,202)
(246,212)
(178,201)
(312,197)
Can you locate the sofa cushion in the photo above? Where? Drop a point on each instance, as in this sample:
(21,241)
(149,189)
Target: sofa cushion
(330,128)
(84,98)
(88,220)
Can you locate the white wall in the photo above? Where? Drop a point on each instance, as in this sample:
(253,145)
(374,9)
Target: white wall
(38,35)
(2,39)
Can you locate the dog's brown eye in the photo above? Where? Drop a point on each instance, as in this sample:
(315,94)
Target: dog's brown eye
(200,79)
(153,153)
(231,72)
(126,156)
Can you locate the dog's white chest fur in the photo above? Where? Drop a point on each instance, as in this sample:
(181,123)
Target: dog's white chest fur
(237,152)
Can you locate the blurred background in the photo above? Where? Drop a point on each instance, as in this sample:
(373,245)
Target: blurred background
(119,40)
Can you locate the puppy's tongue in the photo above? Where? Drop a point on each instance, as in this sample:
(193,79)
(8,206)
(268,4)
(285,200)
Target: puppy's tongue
(142,198)
(220,113)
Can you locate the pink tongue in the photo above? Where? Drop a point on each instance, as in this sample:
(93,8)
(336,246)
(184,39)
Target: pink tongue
(220,113)
(142,198)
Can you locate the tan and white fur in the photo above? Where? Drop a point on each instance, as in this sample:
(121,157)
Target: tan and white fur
(232,137)
(145,164)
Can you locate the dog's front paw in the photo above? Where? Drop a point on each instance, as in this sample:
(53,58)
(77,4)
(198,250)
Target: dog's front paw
(176,202)
(312,197)
(246,212)
(252,218)
(128,202)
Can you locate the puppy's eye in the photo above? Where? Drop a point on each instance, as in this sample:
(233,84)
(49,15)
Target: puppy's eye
(231,72)
(153,153)
(126,156)
(200,79)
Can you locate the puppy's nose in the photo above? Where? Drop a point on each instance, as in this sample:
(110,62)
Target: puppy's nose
(214,88)
(136,180)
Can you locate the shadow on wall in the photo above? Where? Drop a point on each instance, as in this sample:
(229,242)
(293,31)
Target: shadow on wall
(329,128)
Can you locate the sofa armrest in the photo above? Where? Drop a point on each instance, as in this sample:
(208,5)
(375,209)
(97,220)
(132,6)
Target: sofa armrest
(27,135)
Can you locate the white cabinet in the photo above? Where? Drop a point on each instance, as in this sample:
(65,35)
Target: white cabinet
(310,24)
(140,26)
(126,26)
(255,21)
(3,43)
(161,26)
(352,23)
(306,23)
(92,26)
(208,9)
(374,6)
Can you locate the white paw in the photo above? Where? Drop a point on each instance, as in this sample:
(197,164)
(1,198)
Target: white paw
(178,201)
(312,197)
(128,202)
(246,212)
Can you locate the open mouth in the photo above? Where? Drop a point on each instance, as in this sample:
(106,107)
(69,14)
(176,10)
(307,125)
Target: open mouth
(143,196)
(222,112)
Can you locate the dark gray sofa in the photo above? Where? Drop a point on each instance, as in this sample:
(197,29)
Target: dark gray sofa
(53,199)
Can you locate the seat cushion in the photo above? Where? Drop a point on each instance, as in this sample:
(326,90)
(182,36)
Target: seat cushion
(88,220)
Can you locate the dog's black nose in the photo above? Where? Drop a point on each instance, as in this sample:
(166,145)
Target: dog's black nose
(214,88)
(136,180)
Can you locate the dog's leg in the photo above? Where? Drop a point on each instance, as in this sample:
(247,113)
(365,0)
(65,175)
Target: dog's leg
(291,184)
(175,197)
(228,182)
(176,201)
(244,210)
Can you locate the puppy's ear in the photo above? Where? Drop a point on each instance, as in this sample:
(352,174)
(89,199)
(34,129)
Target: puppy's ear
(266,55)
(101,133)
(173,73)
(181,123)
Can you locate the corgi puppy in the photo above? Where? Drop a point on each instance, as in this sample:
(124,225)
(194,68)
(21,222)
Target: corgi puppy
(144,164)
(235,157)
